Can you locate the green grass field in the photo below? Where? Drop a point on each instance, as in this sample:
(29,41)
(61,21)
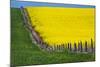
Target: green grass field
(24,52)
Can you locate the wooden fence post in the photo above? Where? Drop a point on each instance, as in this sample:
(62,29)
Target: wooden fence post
(75,47)
(92,45)
(70,47)
(60,47)
(80,48)
(86,48)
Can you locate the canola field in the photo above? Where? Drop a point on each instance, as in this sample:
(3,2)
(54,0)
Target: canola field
(59,25)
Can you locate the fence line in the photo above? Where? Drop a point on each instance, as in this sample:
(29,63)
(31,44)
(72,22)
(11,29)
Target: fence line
(33,33)
(77,47)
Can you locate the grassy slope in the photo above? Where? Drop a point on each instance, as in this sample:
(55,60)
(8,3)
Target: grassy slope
(23,52)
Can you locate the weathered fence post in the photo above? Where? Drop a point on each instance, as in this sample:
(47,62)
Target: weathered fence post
(80,48)
(57,47)
(75,47)
(92,46)
(60,47)
(70,47)
(86,48)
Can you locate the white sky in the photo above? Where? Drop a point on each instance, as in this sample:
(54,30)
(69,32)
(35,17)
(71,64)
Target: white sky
(83,2)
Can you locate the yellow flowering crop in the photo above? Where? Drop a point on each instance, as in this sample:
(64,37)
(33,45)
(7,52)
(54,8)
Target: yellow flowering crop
(59,25)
